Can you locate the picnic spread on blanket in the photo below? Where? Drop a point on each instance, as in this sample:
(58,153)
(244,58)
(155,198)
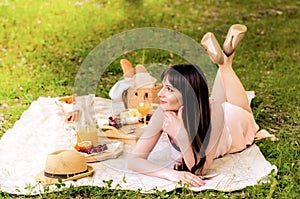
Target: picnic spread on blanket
(46,142)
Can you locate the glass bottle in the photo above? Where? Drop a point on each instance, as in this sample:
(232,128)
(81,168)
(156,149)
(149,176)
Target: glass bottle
(86,127)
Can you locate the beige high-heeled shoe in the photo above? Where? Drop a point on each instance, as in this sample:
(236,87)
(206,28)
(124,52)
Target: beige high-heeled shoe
(235,34)
(212,47)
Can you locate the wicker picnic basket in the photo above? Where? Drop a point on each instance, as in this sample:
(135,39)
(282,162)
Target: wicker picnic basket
(132,96)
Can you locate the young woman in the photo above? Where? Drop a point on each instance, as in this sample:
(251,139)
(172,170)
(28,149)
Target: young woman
(200,128)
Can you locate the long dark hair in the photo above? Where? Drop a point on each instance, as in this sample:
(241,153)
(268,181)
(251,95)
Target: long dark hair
(192,84)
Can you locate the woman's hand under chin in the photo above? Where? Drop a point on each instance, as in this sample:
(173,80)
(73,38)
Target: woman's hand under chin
(173,124)
(186,178)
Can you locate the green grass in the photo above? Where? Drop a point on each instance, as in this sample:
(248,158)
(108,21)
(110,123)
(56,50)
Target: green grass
(43,43)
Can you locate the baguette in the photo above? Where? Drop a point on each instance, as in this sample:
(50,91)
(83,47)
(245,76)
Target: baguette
(140,69)
(128,70)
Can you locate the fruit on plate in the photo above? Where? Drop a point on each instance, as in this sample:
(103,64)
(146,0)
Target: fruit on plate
(114,121)
(72,117)
(148,117)
(87,147)
(68,99)
(84,145)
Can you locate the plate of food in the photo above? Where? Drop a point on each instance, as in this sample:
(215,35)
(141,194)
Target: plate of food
(70,99)
(66,103)
(128,134)
(123,127)
(107,149)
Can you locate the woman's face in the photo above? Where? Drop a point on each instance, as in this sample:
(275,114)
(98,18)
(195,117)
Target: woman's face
(170,97)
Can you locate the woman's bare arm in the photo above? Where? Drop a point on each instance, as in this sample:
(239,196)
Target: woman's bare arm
(138,159)
(174,127)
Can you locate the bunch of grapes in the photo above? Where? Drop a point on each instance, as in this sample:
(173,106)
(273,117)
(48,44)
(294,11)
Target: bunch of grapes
(94,149)
(115,122)
(148,117)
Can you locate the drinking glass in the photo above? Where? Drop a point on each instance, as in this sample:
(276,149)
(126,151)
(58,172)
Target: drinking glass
(144,108)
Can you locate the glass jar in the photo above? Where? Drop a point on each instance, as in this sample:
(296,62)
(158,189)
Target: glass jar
(86,127)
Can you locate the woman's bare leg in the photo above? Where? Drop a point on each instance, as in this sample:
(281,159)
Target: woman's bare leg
(234,89)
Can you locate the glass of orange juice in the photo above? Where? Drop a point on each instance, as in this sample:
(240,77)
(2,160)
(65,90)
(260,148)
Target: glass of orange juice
(144,108)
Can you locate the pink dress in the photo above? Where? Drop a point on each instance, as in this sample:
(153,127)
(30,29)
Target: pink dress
(232,127)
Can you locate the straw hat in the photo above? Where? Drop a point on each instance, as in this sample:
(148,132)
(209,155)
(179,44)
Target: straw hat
(66,165)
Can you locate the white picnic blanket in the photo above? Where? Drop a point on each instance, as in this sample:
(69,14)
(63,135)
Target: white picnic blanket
(41,130)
